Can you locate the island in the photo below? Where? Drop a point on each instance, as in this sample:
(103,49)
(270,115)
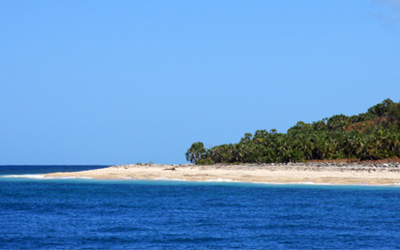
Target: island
(294,173)
(373,135)
(361,149)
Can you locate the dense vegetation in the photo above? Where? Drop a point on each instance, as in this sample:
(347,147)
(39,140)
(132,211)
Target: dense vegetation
(368,136)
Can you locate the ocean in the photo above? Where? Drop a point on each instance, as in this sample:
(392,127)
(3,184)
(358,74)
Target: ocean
(38,213)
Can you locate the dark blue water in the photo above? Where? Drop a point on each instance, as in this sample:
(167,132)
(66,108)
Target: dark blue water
(90,214)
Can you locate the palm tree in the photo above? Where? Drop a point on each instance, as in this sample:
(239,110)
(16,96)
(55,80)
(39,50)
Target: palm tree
(196,152)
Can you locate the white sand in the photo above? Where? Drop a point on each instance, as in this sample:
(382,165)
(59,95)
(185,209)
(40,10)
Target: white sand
(242,173)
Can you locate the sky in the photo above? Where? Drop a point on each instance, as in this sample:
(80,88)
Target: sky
(119,82)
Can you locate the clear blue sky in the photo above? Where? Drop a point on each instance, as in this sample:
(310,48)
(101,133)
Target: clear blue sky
(115,82)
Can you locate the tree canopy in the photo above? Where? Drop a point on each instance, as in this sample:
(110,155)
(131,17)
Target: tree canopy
(368,136)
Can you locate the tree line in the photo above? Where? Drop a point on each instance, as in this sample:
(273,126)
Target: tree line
(372,135)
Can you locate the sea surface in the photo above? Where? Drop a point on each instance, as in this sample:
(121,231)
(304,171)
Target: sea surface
(37,213)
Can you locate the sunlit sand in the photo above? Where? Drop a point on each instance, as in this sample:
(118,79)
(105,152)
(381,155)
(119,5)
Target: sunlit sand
(242,173)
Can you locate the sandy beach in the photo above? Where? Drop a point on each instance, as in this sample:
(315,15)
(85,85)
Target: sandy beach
(337,175)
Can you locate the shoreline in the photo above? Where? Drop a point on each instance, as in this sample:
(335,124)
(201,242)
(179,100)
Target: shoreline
(293,173)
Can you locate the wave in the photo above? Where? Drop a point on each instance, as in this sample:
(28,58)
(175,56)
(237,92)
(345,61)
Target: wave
(295,183)
(29,176)
(310,183)
(168,179)
(41,177)
(219,180)
(176,179)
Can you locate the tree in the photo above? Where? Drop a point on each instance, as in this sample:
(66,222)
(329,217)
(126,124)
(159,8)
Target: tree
(196,152)
(367,136)
(223,154)
(394,114)
(381,108)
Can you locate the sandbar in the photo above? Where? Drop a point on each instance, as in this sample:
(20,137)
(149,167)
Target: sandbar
(285,174)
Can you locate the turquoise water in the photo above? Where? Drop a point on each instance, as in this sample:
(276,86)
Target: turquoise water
(94,214)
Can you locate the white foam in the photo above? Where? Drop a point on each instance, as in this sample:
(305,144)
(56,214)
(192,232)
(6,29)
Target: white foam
(308,183)
(219,180)
(294,183)
(29,176)
(42,177)
(168,179)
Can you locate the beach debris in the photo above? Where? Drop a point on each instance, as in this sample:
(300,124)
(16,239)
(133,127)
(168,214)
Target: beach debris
(170,168)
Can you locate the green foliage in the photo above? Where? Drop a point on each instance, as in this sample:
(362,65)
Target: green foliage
(206,161)
(382,108)
(196,152)
(338,122)
(368,136)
